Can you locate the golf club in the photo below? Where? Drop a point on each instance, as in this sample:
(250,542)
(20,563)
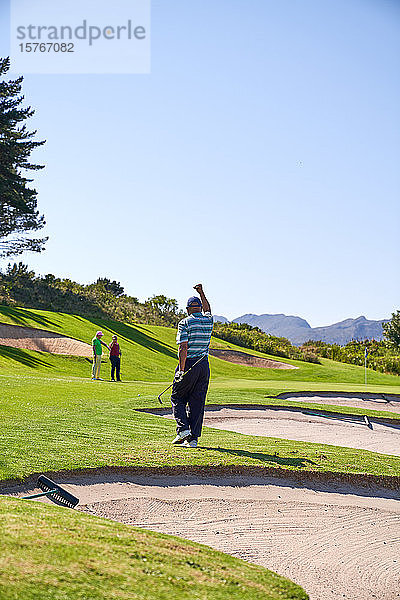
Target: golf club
(170,386)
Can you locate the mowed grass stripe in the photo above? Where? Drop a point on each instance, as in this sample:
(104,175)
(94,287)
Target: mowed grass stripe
(69,425)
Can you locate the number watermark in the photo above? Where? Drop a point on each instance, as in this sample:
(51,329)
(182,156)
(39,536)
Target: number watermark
(46,47)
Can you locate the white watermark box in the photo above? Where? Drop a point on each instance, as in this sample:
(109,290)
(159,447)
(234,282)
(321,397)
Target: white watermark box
(80,36)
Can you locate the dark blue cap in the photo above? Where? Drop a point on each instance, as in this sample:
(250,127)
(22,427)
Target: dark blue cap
(193,301)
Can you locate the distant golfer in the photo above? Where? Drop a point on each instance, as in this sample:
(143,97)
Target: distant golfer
(115,359)
(97,352)
(190,384)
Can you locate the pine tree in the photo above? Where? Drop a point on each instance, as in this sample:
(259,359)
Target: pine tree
(18,202)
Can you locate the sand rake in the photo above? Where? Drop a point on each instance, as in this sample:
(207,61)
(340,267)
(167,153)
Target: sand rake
(53,491)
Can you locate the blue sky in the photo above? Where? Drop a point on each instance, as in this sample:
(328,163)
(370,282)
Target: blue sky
(260,157)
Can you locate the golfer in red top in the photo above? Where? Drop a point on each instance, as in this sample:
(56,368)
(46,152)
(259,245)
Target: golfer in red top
(115,358)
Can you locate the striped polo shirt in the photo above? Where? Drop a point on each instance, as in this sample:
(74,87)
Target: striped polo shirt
(196,330)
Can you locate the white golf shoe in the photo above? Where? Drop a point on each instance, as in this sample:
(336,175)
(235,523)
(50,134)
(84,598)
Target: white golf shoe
(191,444)
(182,436)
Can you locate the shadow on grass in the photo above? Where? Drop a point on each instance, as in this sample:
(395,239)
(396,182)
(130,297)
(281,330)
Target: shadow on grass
(133,334)
(25,317)
(263,457)
(23,357)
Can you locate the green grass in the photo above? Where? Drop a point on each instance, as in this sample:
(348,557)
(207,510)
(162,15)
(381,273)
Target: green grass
(51,424)
(53,417)
(54,553)
(149,354)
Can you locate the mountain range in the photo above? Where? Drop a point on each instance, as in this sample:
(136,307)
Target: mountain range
(298,331)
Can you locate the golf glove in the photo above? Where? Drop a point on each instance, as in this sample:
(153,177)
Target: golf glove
(179,376)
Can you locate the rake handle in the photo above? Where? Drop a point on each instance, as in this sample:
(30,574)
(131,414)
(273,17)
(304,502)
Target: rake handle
(38,495)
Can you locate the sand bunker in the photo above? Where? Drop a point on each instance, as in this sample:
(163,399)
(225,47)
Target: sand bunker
(389,402)
(336,541)
(352,432)
(42,340)
(242,358)
(338,430)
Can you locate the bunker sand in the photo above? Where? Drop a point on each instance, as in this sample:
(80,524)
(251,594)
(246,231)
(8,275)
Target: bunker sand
(249,360)
(388,402)
(335,540)
(351,432)
(41,340)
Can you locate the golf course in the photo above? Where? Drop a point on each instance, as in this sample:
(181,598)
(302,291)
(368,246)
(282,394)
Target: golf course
(93,434)
(199,318)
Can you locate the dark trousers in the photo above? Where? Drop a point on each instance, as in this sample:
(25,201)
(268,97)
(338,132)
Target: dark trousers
(115,366)
(188,397)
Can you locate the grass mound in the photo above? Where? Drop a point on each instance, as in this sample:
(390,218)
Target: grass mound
(54,553)
(150,354)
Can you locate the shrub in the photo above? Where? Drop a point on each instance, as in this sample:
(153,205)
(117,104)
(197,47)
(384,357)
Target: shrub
(382,356)
(101,299)
(247,336)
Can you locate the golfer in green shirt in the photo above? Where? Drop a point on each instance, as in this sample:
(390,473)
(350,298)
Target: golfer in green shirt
(97,352)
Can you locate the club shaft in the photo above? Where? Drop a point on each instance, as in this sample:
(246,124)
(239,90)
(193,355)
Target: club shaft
(186,372)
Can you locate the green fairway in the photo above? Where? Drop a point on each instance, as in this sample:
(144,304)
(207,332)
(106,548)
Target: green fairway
(52,418)
(52,424)
(54,553)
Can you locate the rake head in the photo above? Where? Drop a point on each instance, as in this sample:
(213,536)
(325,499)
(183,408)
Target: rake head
(57,493)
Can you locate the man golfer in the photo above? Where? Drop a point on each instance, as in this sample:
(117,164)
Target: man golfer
(192,375)
(97,352)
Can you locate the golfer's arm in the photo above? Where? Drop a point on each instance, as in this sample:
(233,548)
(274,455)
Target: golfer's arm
(182,355)
(205,302)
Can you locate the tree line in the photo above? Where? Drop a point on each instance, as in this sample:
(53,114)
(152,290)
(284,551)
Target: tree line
(106,298)
(103,298)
